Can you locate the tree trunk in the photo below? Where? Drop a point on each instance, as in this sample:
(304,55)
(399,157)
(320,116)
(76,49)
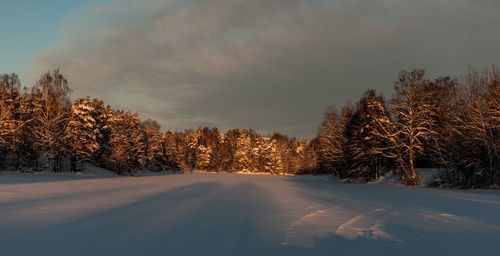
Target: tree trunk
(73,163)
(57,164)
(410,177)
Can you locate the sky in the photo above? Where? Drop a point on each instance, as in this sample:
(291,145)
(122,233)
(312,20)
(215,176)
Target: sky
(269,65)
(30,26)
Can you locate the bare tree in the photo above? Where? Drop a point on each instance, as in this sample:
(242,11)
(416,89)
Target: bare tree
(330,139)
(473,153)
(52,111)
(415,120)
(10,122)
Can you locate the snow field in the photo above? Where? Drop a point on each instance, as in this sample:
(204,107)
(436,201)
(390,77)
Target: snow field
(231,214)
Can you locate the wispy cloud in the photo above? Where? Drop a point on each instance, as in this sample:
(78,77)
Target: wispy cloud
(271,65)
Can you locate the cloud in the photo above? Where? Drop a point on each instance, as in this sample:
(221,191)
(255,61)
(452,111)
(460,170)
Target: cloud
(270,65)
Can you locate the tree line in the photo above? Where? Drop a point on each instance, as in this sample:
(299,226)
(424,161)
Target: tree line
(452,124)
(447,123)
(41,128)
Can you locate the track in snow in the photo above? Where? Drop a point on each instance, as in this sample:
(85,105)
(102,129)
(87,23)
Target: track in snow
(226,214)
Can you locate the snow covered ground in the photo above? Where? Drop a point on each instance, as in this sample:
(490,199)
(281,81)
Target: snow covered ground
(229,214)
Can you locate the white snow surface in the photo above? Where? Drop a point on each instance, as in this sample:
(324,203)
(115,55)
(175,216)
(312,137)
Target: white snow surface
(231,214)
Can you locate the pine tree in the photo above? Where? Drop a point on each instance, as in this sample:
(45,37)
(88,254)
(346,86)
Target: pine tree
(285,152)
(295,161)
(203,157)
(192,142)
(103,117)
(209,142)
(184,153)
(227,150)
(243,153)
(154,151)
(25,149)
(266,156)
(170,150)
(311,158)
(128,143)
(81,132)
(369,149)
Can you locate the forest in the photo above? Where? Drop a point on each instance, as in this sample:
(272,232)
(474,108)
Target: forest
(451,124)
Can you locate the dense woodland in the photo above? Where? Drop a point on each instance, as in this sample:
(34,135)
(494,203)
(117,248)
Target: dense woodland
(445,123)
(448,123)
